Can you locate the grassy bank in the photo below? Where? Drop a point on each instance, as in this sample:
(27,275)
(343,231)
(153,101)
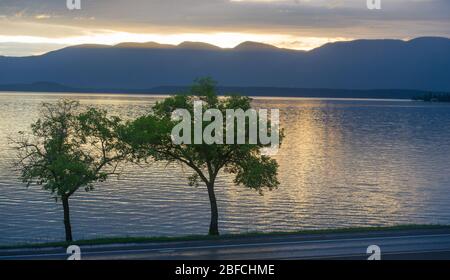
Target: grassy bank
(130,240)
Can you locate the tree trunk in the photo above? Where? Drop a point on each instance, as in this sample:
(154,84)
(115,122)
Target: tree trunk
(214,225)
(67,225)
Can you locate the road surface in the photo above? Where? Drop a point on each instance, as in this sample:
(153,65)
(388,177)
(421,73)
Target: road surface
(406,244)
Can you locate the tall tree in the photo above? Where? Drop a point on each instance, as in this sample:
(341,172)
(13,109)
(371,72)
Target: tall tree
(150,136)
(67,150)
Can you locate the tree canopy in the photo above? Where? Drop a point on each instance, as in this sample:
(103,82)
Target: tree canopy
(150,136)
(68,149)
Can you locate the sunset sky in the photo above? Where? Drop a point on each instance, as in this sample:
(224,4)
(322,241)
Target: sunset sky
(36,26)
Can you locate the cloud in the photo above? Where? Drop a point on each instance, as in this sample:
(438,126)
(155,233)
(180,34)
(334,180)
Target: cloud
(26,49)
(291,19)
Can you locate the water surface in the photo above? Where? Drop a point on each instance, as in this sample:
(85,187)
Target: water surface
(344,163)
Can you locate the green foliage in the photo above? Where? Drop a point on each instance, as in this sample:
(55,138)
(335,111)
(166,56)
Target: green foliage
(68,149)
(150,137)
(256,173)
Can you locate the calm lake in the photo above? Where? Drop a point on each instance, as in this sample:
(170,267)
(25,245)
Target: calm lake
(344,163)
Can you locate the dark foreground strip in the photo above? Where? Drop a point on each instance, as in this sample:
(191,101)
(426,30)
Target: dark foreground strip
(222,269)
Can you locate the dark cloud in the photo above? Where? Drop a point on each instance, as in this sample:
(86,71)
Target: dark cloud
(234,14)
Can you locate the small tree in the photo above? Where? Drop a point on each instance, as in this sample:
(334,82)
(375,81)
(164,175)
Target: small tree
(150,137)
(67,150)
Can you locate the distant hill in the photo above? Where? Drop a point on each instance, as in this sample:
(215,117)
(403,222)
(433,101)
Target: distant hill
(38,87)
(418,64)
(249,91)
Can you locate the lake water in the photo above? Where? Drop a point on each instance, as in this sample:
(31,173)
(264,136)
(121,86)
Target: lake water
(344,163)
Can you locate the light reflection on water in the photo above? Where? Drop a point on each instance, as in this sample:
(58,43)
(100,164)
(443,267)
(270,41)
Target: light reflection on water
(343,163)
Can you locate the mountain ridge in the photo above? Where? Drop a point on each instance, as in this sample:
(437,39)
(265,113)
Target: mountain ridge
(243,45)
(419,64)
(246,44)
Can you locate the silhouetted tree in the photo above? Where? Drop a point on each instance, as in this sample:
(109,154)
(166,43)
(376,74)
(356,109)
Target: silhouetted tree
(150,137)
(67,150)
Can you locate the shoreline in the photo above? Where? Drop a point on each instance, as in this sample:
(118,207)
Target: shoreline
(252,91)
(163,95)
(166,239)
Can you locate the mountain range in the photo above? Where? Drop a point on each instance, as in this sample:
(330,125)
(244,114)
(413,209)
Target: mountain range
(421,64)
